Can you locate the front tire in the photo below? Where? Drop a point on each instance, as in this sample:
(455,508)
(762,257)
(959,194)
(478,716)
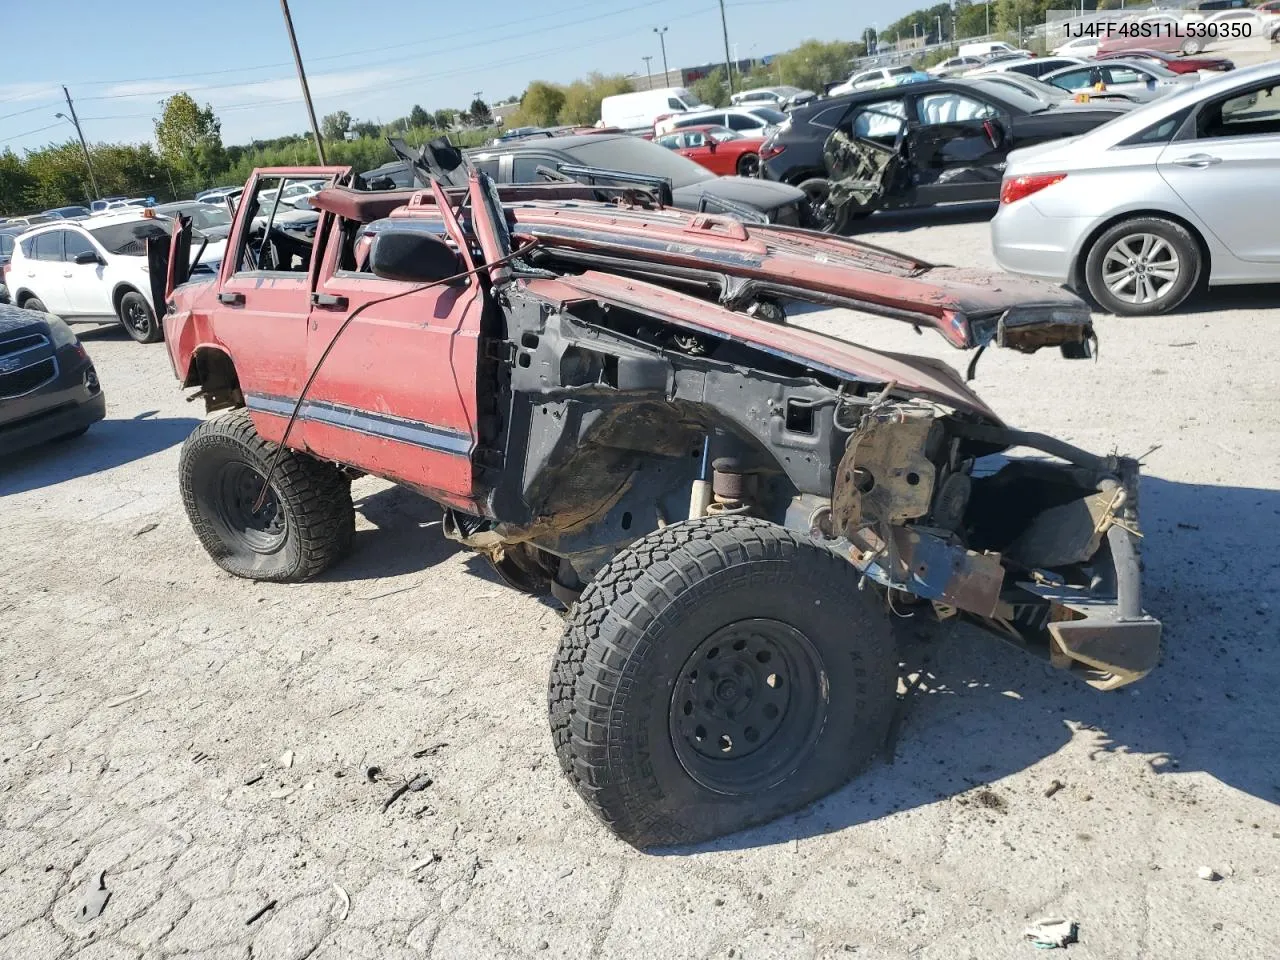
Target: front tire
(138,319)
(749,165)
(305,524)
(1191,46)
(34,303)
(1143,267)
(717,674)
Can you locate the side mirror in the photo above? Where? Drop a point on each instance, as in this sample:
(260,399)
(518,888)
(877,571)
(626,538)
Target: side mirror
(413,257)
(711,144)
(88,256)
(302,203)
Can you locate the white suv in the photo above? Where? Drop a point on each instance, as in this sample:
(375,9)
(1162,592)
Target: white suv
(95,270)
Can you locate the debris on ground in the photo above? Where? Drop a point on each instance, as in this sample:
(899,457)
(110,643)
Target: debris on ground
(254,779)
(420,783)
(396,794)
(1051,933)
(121,701)
(430,751)
(1208,873)
(95,901)
(286,759)
(1053,788)
(145,528)
(271,905)
(372,774)
(345,905)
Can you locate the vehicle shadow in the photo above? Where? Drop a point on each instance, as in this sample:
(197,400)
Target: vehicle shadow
(109,443)
(987,710)
(407,537)
(898,221)
(1261,296)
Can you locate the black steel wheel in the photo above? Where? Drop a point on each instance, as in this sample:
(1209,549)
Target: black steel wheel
(748,706)
(237,487)
(138,319)
(305,523)
(717,674)
(749,165)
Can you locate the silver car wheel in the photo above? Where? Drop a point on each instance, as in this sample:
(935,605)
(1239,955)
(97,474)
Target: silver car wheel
(1140,268)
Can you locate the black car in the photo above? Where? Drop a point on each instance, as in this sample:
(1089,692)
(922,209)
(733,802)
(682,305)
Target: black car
(692,187)
(915,145)
(48,387)
(8,237)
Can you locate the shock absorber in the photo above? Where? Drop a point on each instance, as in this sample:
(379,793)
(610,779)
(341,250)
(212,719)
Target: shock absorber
(732,490)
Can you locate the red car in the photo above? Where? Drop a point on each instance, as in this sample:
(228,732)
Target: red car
(1170,62)
(719,149)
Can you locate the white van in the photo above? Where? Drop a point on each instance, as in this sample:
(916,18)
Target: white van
(985,49)
(631,111)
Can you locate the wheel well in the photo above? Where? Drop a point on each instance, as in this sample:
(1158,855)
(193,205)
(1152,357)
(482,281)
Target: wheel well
(214,372)
(118,294)
(1077,271)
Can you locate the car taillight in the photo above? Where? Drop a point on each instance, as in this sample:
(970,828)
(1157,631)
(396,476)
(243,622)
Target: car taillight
(1016,188)
(769,150)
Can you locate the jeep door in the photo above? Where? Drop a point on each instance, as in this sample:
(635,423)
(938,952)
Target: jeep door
(396,395)
(957,148)
(263,300)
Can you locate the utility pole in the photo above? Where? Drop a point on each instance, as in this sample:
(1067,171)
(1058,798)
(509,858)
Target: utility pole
(724,25)
(302,79)
(649,70)
(987,7)
(662,39)
(939,30)
(83,146)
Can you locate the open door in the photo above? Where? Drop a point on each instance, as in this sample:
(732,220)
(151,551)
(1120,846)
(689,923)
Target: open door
(957,149)
(863,158)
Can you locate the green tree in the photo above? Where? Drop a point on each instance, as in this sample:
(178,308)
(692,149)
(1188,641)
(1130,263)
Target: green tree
(816,63)
(480,112)
(582,98)
(443,119)
(541,104)
(418,117)
(334,126)
(711,89)
(366,128)
(190,138)
(16,184)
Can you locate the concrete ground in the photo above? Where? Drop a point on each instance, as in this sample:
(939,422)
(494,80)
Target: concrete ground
(200,744)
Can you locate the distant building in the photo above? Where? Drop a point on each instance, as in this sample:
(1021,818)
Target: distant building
(685,76)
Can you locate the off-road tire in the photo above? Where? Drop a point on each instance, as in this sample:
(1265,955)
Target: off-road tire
(34,303)
(1179,238)
(314,499)
(138,319)
(615,693)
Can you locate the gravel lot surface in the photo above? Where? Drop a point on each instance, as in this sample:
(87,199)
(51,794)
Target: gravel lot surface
(201,743)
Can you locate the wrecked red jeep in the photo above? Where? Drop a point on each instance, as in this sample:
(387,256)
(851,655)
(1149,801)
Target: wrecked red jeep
(607,399)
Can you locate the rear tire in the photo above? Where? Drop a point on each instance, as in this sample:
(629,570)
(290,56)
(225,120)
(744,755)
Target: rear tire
(1143,267)
(822,215)
(718,674)
(1191,46)
(749,165)
(138,319)
(305,525)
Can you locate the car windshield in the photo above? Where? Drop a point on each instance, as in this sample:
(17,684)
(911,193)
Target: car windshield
(898,71)
(6,244)
(633,155)
(130,239)
(724,133)
(1155,69)
(690,100)
(1044,92)
(1012,96)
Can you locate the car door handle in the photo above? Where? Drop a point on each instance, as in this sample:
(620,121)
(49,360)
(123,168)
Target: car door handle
(1198,160)
(328,300)
(233,298)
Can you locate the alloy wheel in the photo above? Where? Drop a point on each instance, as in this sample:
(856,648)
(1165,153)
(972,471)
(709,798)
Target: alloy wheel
(1140,268)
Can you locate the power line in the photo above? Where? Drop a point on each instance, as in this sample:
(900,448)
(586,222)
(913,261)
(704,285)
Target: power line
(19,136)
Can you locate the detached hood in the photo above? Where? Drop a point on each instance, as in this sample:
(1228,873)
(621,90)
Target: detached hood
(749,264)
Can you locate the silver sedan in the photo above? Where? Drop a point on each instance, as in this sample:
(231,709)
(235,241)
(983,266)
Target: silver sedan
(1139,80)
(1143,210)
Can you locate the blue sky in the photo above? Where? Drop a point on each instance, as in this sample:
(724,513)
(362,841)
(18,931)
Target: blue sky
(374,60)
